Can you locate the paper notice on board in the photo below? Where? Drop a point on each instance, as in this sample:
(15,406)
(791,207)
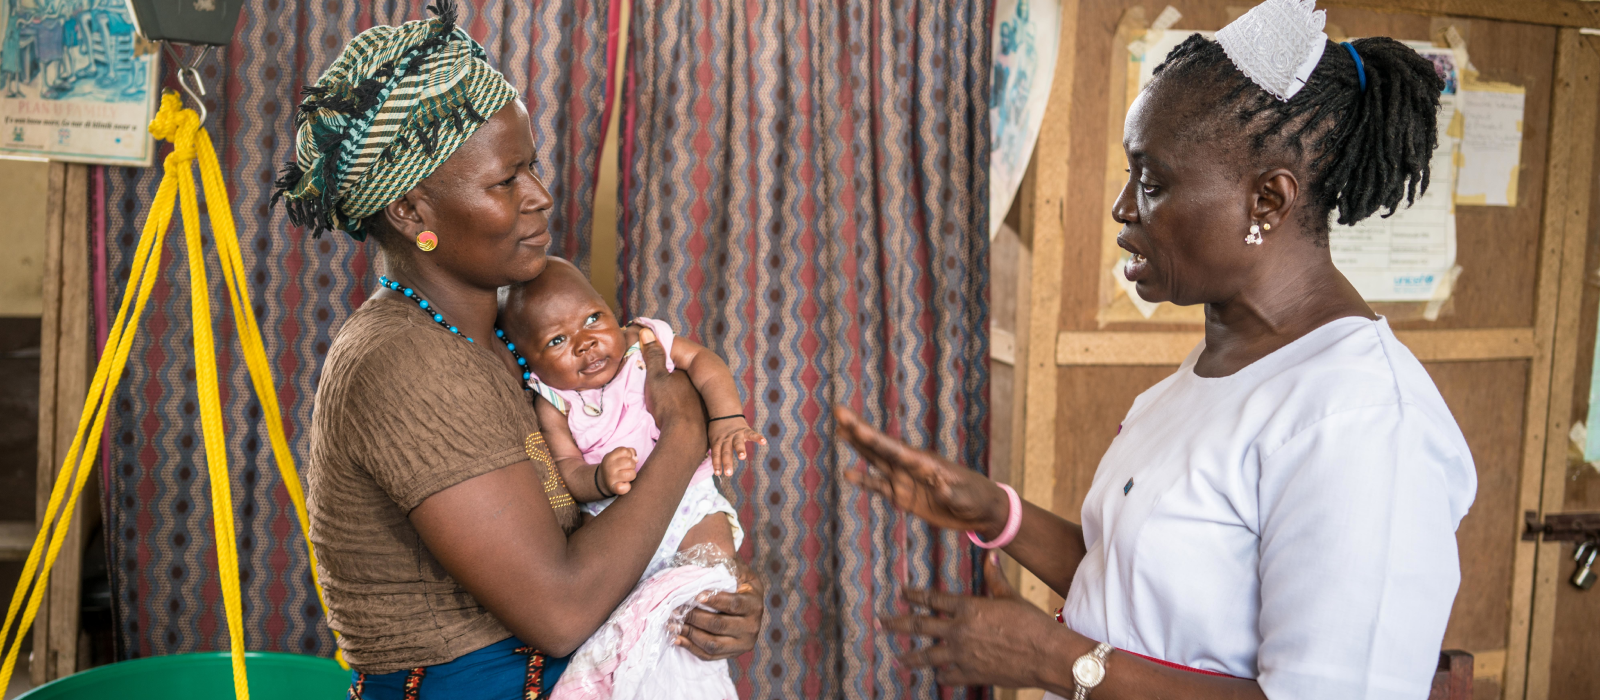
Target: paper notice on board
(1491,144)
(1410,255)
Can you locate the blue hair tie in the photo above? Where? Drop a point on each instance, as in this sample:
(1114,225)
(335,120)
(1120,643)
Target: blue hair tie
(1361,69)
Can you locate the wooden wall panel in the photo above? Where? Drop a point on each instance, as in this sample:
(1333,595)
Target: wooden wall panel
(64,374)
(1556,13)
(1575,654)
(1487,401)
(1560,290)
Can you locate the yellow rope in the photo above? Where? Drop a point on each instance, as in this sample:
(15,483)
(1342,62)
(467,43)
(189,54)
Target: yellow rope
(255,352)
(182,127)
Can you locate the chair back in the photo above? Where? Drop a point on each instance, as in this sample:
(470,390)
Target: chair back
(1453,679)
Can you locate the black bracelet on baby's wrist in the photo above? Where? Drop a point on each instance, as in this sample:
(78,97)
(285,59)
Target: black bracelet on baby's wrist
(736,415)
(597,487)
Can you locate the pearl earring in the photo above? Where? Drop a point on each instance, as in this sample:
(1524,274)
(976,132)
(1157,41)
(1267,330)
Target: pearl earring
(1255,234)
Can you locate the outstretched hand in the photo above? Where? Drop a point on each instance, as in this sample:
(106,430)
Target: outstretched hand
(922,483)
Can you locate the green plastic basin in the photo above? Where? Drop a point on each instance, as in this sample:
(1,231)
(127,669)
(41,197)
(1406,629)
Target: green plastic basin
(201,677)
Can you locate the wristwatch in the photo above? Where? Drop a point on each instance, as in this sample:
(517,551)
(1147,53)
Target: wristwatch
(1089,670)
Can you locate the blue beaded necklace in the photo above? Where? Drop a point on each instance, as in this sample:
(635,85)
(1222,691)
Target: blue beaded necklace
(593,410)
(521,362)
(439,319)
(412,295)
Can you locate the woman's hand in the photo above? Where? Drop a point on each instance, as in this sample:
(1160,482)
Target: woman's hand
(922,483)
(1000,640)
(731,630)
(669,396)
(729,443)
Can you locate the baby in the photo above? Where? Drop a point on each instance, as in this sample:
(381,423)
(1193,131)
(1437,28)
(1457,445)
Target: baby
(588,375)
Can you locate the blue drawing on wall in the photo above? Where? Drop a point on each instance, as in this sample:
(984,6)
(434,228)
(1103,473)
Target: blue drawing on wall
(1023,44)
(1008,92)
(70,50)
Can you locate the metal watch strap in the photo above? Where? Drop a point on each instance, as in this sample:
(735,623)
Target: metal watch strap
(1081,691)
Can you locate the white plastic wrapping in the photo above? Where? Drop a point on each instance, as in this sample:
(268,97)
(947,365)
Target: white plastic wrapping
(632,656)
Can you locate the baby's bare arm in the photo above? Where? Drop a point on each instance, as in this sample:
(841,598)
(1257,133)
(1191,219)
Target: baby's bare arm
(710,375)
(728,430)
(564,451)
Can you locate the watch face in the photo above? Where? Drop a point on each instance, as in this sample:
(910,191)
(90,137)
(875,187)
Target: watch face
(1088,671)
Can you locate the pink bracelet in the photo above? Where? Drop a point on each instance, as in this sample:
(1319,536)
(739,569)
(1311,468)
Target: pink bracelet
(1013,523)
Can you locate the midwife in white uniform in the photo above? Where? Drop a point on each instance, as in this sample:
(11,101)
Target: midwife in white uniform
(1277,518)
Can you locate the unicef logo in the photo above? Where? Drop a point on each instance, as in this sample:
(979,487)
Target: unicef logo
(1404,283)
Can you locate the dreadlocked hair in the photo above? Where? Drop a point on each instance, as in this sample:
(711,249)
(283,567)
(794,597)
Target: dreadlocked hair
(1362,150)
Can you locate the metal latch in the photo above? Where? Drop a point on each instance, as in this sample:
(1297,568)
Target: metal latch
(1560,527)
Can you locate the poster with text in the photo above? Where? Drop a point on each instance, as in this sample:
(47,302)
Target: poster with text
(78,84)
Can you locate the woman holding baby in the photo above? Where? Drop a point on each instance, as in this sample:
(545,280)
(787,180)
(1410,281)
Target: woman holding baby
(449,544)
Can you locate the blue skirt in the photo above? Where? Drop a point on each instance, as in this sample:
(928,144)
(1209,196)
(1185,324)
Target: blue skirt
(505,670)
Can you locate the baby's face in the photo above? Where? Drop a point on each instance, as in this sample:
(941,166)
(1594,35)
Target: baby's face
(569,337)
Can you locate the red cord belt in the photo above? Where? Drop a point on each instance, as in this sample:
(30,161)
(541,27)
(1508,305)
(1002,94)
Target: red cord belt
(1180,667)
(1168,664)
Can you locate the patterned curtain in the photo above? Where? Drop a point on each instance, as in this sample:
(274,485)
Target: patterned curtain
(804,192)
(158,518)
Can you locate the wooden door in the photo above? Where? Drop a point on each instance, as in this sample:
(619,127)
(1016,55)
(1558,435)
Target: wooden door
(1564,652)
(1504,350)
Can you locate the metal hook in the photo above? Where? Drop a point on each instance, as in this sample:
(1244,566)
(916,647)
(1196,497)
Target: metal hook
(188,72)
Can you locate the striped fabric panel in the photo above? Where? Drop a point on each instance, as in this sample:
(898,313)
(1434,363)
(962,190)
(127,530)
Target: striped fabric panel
(804,188)
(565,96)
(158,521)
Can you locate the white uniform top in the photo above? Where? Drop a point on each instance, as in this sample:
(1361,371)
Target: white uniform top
(1292,523)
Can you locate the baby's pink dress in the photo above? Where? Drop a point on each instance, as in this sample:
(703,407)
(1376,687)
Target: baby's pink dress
(614,416)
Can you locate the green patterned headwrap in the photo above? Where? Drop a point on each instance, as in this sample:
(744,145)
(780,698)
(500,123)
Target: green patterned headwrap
(393,106)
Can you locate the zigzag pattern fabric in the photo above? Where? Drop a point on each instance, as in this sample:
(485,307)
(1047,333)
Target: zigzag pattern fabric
(805,192)
(566,102)
(160,552)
